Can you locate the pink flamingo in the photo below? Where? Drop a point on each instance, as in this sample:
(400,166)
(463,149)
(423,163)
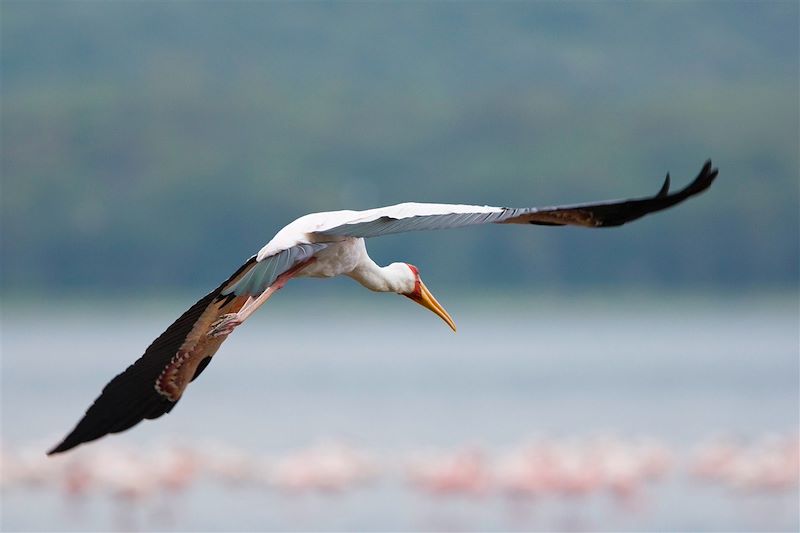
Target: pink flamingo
(461,472)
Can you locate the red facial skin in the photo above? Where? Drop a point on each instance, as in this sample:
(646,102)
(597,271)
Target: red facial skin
(417,294)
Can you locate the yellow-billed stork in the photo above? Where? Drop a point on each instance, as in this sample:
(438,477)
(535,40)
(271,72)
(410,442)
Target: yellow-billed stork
(320,245)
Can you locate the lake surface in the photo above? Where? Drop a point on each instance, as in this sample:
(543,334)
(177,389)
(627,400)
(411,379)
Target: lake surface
(390,378)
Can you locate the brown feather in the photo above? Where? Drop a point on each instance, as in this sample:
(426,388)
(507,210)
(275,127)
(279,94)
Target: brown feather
(133,395)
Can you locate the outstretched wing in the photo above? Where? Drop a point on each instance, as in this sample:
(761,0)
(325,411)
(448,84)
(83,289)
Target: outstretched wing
(152,385)
(614,213)
(413,217)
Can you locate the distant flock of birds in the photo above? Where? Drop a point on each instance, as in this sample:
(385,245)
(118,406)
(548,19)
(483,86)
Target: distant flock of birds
(542,467)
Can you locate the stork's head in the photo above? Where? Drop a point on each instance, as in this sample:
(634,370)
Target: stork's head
(415,290)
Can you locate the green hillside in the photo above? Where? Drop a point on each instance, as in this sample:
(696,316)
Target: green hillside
(160,144)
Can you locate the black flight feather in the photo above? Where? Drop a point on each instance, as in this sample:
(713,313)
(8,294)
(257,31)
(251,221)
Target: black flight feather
(131,396)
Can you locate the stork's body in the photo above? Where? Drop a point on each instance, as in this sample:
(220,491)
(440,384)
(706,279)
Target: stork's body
(319,245)
(347,257)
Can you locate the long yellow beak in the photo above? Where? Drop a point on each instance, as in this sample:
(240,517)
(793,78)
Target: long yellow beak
(424,298)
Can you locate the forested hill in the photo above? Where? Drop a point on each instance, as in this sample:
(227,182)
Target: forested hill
(154,144)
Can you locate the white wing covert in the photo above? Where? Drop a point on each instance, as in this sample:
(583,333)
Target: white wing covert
(415,217)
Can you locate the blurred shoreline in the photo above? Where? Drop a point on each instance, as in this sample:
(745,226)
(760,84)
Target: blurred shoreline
(324,294)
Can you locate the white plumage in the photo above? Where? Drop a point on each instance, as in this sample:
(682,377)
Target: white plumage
(302,229)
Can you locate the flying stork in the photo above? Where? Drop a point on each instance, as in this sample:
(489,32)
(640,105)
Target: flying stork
(320,245)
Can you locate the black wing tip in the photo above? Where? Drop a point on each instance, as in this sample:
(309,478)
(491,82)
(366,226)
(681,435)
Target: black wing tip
(99,422)
(59,449)
(67,444)
(699,184)
(705,178)
(664,191)
(80,435)
(709,169)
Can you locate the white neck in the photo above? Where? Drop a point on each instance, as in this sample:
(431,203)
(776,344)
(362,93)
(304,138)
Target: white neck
(396,277)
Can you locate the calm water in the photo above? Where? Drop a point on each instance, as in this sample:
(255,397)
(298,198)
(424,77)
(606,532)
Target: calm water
(391,378)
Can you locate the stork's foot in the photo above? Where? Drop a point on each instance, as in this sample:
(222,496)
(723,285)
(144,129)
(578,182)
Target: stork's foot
(224,325)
